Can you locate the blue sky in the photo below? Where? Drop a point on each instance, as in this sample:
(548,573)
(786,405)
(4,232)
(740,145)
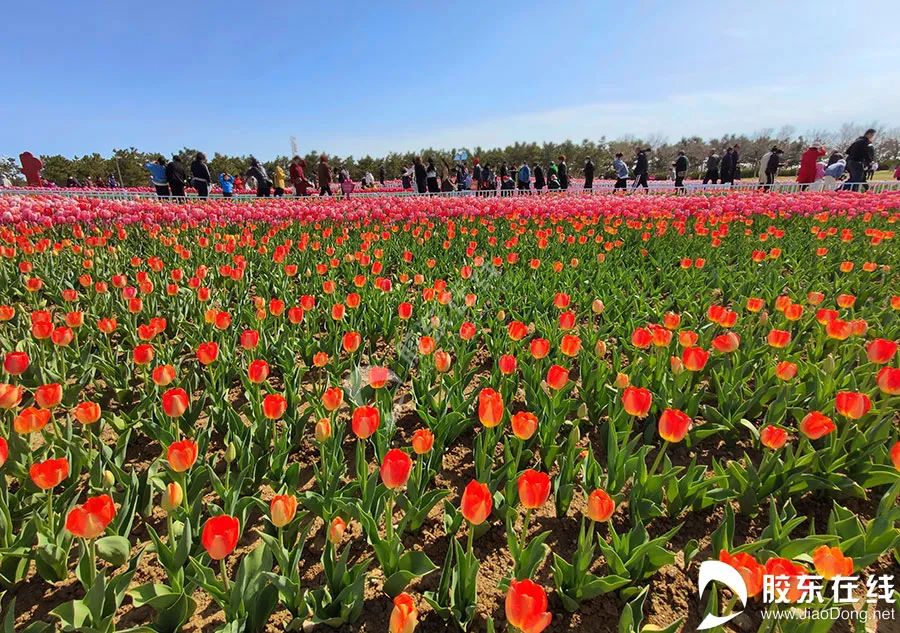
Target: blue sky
(370,77)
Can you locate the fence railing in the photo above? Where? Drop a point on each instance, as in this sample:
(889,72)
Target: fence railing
(599,188)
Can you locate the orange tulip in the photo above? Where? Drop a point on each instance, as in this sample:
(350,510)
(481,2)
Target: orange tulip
(852,404)
(476,503)
(282,509)
(831,562)
(31,420)
(600,506)
(539,348)
(750,570)
(694,358)
(791,572)
(175,402)
(641,338)
(490,407)
(351,342)
(674,425)
(10,396)
(163,375)
(89,520)
(779,338)
(466,331)
(258,371)
(422,441)
(48,396)
(524,425)
(323,430)
(48,474)
(534,489)
(404,616)
(207,353)
(570,345)
(517,330)
(172,497)
(378,377)
(726,343)
(181,455)
(442,361)
(636,401)
(888,380)
(220,536)
(336,530)
(815,425)
(87,412)
(332,398)
(526,606)
(249,339)
(395,469)
(773,437)
(365,421)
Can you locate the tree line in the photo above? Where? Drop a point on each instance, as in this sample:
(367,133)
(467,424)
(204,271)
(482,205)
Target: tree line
(127,165)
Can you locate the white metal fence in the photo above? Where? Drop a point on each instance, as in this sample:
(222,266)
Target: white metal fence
(599,188)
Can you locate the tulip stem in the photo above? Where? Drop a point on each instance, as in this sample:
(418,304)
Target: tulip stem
(224,573)
(524,538)
(92,558)
(471,538)
(389,517)
(658,460)
(50,510)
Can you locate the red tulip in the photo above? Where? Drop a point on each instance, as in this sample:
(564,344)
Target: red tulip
(143,354)
(181,455)
(351,342)
(163,375)
(175,402)
(395,468)
(378,377)
(10,396)
(87,412)
(249,339)
(570,345)
(789,571)
(539,347)
(694,358)
(404,616)
(48,396)
(207,353)
(4,451)
(785,370)
(674,425)
(365,421)
(773,437)
(16,362)
(534,489)
(816,425)
(466,331)
(888,380)
(507,364)
(779,338)
(258,371)
(274,405)
(90,519)
(636,401)
(526,606)
(220,536)
(333,398)
(852,404)
(48,474)
(600,506)
(557,377)
(641,338)
(880,351)
(517,330)
(895,455)
(750,570)
(726,343)
(476,503)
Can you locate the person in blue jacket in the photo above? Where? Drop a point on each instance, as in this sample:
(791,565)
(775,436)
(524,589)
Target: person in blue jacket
(226,181)
(157,171)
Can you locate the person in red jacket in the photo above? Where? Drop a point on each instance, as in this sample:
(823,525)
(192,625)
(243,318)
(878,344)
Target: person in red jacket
(807,172)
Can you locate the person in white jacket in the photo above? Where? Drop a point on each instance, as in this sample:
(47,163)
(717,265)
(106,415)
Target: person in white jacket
(762,167)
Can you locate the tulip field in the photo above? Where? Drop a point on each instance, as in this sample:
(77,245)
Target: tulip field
(458,414)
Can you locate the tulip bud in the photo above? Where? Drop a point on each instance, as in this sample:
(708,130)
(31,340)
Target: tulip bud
(600,348)
(829,365)
(435,322)
(597,306)
(109,480)
(501,315)
(582,411)
(172,497)
(575,433)
(336,530)
(677,365)
(231,453)
(323,430)
(764,318)
(622,380)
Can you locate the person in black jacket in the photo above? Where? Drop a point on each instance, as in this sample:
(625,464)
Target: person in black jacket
(735,171)
(200,177)
(539,180)
(420,175)
(712,168)
(588,174)
(773,165)
(381,175)
(860,155)
(725,169)
(563,173)
(176,175)
(641,168)
(258,173)
(681,167)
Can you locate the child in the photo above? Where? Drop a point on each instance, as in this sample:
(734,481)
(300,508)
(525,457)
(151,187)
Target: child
(226,181)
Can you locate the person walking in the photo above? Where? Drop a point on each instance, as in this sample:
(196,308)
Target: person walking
(621,170)
(711,176)
(200,177)
(725,175)
(681,166)
(278,176)
(588,174)
(176,176)
(226,182)
(431,177)
(807,172)
(523,179)
(157,171)
(297,174)
(324,175)
(772,165)
(539,179)
(420,174)
(860,155)
(641,169)
(258,173)
(563,173)
(761,168)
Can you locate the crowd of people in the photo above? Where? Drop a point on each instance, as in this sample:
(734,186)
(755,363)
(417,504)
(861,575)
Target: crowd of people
(850,170)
